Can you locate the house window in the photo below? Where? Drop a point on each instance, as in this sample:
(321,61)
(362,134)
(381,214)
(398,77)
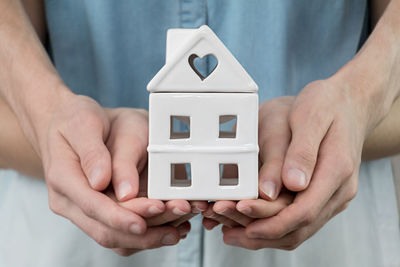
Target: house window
(227,126)
(179,127)
(181,174)
(228,174)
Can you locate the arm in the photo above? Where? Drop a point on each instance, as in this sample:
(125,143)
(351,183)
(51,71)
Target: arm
(384,141)
(329,122)
(15,150)
(69,133)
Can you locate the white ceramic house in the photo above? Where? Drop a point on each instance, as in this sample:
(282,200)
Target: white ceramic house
(203,129)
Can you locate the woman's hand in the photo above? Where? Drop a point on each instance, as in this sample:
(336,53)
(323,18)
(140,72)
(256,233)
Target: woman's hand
(166,222)
(274,137)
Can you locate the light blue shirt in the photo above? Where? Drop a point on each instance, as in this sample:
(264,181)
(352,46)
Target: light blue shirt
(109,50)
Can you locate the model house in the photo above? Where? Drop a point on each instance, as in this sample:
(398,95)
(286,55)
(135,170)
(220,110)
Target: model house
(203,119)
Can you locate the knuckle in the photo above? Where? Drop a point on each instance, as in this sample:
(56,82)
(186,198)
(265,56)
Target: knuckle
(294,241)
(291,247)
(254,246)
(344,206)
(274,232)
(51,175)
(309,217)
(114,220)
(120,166)
(274,162)
(55,205)
(146,243)
(104,238)
(351,194)
(91,156)
(89,209)
(352,190)
(348,165)
(123,252)
(306,155)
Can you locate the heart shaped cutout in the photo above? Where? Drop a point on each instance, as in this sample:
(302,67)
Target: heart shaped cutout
(203,66)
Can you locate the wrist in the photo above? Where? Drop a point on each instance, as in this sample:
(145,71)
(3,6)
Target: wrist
(372,77)
(34,107)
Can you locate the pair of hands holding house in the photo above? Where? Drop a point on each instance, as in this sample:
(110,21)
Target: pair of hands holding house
(310,144)
(95,167)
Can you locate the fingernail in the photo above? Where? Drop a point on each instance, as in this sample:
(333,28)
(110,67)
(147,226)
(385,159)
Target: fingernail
(223,212)
(246,210)
(268,188)
(124,189)
(179,212)
(153,210)
(135,229)
(232,241)
(196,210)
(169,239)
(298,177)
(95,177)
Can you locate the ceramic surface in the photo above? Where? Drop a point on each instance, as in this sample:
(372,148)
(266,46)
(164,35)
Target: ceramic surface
(202,147)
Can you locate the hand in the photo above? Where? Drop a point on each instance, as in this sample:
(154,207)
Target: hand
(166,223)
(274,137)
(328,125)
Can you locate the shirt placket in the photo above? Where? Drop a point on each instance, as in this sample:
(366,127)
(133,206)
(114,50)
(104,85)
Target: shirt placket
(193,14)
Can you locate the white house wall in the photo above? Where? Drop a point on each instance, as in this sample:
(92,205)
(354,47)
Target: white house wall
(205,176)
(204,110)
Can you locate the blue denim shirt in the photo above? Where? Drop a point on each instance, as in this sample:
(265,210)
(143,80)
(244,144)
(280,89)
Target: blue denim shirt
(110,50)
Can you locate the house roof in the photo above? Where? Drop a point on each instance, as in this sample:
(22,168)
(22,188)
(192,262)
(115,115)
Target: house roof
(179,75)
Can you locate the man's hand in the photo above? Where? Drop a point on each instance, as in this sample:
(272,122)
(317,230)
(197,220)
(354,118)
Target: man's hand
(327,134)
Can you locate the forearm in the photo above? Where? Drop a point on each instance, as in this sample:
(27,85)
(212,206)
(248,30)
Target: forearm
(28,81)
(15,150)
(384,140)
(372,77)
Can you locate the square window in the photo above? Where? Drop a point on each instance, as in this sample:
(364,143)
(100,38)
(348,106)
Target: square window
(227,126)
(228,174)
(181,174)
(179,127)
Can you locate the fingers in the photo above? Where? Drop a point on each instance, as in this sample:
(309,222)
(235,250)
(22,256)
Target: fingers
(309,125)
(228,209)
(237,237)
(210,214)
(68,180)
(174,209)
(128,153)
(183,230)
(86,135)
(339,201)
(260,208)
(111,238)
(198,206)
(209,224)
(144,207)
(306,205)
(182,219)
(274,137)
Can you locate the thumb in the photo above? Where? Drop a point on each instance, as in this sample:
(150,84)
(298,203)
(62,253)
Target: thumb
(127,144)
(308,130)
(88,144)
